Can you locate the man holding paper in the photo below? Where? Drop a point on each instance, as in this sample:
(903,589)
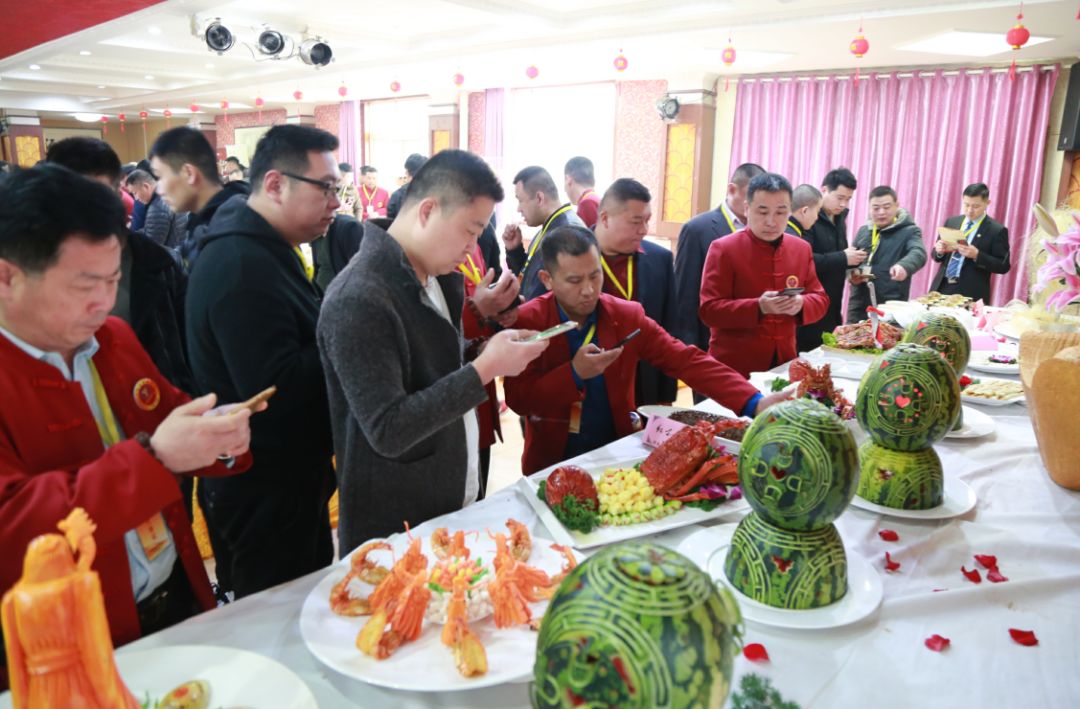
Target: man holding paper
(970,247)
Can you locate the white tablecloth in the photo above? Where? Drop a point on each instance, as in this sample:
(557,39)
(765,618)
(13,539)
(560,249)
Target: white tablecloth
(1029,523)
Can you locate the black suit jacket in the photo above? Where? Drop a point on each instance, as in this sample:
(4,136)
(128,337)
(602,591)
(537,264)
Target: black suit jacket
(693,246)
(529,271)
(992,240)
(827,239)
(655,284)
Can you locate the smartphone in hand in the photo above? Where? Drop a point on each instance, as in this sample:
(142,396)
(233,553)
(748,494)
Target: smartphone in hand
(253,403)
(791,291)
(552,331)
(626,339)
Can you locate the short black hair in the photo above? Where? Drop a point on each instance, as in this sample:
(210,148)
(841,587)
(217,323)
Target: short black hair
(569,240)
(453,177)
(234,159)
(581,169)
(746,172)
(624,190)
(840,177)
(365,169)
(87,156)
(285,148)
(883,191)
(414,162)
(768,182)
(977,189)
(138,177)
(181,146)
(535,179)
(804,196)
(32,227)
(344,167)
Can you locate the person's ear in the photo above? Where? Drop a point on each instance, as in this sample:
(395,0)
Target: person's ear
(546,279)
(9,275)
(426,210)
(273,185)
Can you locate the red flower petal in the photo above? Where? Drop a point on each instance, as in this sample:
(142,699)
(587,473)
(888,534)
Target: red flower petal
(987,561)
(755,652)
(889,535)
(939,590)
(1024,637)
(936,643)
(973,576)
(891,565)
(994,577)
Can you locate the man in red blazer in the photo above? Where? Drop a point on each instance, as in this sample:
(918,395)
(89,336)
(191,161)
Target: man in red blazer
(86,419)
(746,273)
(578,395)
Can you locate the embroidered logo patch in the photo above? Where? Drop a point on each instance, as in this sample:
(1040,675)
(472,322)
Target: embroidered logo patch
(793,281)
(146,393)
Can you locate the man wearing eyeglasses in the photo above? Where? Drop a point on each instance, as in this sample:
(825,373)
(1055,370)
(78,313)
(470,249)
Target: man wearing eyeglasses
(251,325)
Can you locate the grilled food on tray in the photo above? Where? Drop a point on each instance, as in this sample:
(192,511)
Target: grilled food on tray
(860,336)
(948,301)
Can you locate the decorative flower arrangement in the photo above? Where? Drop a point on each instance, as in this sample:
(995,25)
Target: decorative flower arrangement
(1062,267)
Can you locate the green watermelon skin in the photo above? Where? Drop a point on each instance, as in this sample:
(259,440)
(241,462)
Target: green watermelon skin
(901,480)
(798,465)
(637,625)
(945,335)
(908,399)
(787,569)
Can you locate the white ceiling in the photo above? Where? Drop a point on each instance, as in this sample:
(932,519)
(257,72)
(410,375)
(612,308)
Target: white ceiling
(152,59)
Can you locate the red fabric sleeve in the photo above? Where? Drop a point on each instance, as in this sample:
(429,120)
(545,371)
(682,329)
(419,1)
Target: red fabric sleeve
(719,306)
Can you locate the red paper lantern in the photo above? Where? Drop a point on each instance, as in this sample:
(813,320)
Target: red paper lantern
(143,115)
(104,125)
(859,46)
(121,117)
(194,108)
(532,72)
(621,62)
(259,104)
(728,57)
(395,86)
(459,79)
(298,94)
(224,105)
(342,91)
(1017,37)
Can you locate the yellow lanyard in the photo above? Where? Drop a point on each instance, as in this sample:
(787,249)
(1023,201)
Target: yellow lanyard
(793,225)
(628,292)
(110,432)
(536,242)
(730,221)
(471,270)
(309,270)
(971,230)
(371,196)
(589,335)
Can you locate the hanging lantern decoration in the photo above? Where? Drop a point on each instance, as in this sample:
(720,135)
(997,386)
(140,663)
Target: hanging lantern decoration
(225,110)
(532,72)
(143,115)
(259,103)
(728,57)
(168,118)
(621,62)
(104,125)
(298,94)
(121,117)
(194,108)
(859,46)
(342,91)
(1017,37)
(459,79)
(395,86)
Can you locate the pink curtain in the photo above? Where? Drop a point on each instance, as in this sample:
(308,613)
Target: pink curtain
(349,135)
(928,135)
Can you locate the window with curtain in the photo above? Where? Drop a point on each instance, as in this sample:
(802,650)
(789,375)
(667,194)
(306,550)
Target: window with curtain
(393,130)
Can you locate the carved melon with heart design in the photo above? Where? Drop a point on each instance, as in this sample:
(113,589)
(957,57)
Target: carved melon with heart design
(898,479)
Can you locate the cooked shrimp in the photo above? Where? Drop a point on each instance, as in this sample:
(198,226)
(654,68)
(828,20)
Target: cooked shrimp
(341,600)
(520,541)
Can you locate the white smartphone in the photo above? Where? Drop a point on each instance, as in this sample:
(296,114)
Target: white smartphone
(552,331)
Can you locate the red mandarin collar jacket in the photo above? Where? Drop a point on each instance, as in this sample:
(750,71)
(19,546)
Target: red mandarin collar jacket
(52,460)
(545,392)
(738,269)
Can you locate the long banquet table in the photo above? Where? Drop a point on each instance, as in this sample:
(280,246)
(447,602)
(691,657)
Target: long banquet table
(1022,517)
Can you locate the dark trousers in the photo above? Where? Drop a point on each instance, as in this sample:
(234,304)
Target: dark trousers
(170,603)
(269,526)
(485,466)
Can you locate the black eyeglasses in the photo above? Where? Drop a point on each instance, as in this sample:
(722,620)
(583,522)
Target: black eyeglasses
(329,188)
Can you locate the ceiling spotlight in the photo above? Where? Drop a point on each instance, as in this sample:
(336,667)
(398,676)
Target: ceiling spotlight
(219,38)
(668,108)
(316,52)
(149,77)
(271,42)
(35,67)
(84,53)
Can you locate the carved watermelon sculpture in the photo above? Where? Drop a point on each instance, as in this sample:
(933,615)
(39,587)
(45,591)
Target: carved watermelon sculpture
(943,334)
(902,480)
(797,570)
(908,399)
(637,625)
(798,465)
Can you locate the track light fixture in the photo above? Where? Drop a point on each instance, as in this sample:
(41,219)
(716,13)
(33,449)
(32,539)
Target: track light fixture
(219,38)
(263,41)
(271,42)
(316,52)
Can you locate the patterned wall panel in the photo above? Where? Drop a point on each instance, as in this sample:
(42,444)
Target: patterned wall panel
(328,118)
(679,173)
(27,150)
(440,140)
(639,132)
(225,128)
(477,107)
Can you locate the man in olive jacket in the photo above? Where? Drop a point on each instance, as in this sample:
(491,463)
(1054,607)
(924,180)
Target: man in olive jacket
(896,251)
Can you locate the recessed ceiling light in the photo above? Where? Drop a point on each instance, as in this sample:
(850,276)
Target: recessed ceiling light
(87,117)
(149,77)
(153,29)
(101,86)
(966,44)
(85,53)
(209,65)
(34,67)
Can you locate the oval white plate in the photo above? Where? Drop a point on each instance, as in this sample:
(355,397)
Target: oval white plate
(959,498)
(650,410)
(864,594)
(980,363)
(976,425)
(424,665)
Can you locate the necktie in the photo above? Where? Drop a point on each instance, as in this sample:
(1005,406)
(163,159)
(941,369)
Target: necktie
(952,271)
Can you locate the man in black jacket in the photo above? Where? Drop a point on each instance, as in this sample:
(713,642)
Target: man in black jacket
(251,325)
(832,255)
(966,266)
(160,223)
(413,163)
(188,181)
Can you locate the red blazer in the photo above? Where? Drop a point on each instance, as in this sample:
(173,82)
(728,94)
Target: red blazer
(380,200)
(52,460)
(738,269)
(545,391)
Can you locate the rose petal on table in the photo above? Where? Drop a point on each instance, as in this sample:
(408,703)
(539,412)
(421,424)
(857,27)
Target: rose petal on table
(993,576)
(1023,637)
(936,643)
(889,535)
(973,576)
(755,652)
(986,561)
(891,565)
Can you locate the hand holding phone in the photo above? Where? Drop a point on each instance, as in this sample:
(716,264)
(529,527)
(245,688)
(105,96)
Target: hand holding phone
(792,291)
(552,331)
(626,339)
(254,402)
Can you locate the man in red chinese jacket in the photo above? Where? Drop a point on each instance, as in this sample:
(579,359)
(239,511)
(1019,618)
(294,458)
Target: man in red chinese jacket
(373,199)
(749,289)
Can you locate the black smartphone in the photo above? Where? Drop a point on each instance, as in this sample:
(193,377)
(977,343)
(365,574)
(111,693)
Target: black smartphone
(626,339)
(791,291)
